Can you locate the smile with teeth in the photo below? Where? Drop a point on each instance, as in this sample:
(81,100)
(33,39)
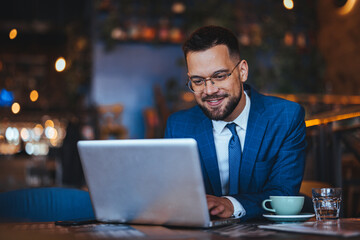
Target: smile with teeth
(214,102)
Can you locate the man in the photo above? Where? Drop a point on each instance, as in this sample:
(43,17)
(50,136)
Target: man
(262,154)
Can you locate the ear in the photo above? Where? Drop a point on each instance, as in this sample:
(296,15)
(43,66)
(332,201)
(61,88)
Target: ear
(243,70)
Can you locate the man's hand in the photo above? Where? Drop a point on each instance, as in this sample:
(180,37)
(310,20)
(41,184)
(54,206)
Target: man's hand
(219,206)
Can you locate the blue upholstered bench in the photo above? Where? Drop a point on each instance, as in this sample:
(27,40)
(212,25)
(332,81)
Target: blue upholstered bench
(45,205)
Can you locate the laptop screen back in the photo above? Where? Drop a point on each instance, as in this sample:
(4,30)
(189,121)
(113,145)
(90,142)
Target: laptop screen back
(146,181)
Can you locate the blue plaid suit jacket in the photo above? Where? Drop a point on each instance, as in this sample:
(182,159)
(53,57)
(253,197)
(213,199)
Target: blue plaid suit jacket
(273,158)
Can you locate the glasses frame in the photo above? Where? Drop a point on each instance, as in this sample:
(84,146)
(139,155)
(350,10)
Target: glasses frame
(188,83)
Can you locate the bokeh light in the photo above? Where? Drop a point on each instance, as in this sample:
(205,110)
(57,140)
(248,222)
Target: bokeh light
(178,7)
(25,135)
(12,134)
(15,108)
(13,33)
(34,95)
(51,133)
(349,5)
(288,4)
(49,123)
(60,64)
(38,131)
(29,148)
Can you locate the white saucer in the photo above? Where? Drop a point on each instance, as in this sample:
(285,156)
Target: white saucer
(289,218)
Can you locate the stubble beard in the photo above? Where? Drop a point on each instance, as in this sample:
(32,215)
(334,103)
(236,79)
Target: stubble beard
(220,113)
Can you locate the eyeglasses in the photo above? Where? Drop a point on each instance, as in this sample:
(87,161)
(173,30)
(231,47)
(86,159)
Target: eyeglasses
(197,84)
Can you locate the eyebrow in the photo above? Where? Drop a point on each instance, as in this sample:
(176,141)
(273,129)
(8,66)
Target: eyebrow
(214,73)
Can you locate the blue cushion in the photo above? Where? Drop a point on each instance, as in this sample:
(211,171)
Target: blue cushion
(45,205)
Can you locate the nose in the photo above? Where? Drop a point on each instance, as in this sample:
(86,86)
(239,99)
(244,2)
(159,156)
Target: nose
(210,87)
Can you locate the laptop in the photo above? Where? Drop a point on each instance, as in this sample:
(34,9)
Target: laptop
(147,181)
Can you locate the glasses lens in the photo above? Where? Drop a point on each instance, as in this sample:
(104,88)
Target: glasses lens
(219,77)
(196,84)
(193,87)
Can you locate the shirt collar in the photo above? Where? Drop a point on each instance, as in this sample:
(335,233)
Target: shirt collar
(241,120)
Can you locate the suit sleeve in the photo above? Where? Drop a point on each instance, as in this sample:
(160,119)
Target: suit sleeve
(287,171)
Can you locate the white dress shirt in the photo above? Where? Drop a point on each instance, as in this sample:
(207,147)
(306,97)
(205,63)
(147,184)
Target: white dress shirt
(222,137)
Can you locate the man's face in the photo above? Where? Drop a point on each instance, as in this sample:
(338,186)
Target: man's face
(226,101)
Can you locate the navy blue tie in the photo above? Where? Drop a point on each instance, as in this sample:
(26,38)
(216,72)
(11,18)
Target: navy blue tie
(234,160)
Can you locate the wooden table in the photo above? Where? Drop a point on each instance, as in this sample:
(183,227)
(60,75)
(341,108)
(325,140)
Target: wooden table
(39,231)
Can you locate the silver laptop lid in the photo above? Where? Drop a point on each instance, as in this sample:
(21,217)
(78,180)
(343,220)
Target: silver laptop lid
(146,181)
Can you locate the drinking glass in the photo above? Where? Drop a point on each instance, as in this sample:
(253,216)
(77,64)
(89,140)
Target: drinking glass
(327,203)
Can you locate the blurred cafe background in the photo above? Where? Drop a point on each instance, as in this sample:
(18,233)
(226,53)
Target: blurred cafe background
(114,69)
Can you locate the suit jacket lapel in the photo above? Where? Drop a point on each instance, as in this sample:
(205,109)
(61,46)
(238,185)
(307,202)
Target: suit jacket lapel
(208,154)
(256,128)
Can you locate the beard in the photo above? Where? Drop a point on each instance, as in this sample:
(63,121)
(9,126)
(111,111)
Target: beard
(220,113)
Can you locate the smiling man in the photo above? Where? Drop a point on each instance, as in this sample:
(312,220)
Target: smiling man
(251,146)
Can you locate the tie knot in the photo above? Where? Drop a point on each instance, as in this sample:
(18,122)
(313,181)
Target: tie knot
(232,128)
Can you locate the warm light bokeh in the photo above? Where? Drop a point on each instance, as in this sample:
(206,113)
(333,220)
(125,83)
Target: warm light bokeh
(288,4)
(60,64)
(349,5)
(51,133)
(49,123)
(314,122)
(178,7)
(15,108)
(25,134)
(188,97)
(34,95)
(13,33)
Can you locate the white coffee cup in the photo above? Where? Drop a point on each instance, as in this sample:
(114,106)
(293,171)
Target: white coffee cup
(284,205)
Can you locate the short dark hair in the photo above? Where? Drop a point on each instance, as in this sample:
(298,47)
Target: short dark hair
(210,36)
